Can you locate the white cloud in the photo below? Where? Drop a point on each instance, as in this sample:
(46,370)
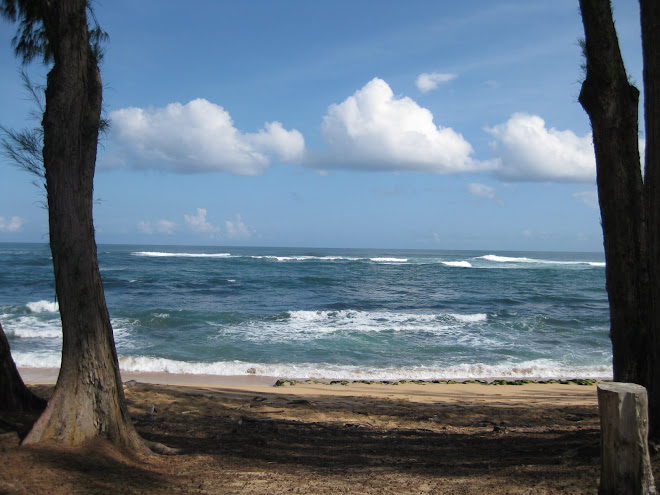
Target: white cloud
(427,82)
(289,146)
(527,151)
(13,224)
(589,198)
(484,191)
(198,222)
(161,227)
(237,229)
(199,137)
(374,130)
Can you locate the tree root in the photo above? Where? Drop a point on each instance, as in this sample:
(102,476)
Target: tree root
(160,448)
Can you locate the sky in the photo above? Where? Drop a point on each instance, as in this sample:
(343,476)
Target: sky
(362,123)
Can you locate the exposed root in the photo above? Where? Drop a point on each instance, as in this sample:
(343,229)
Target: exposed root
(160,448)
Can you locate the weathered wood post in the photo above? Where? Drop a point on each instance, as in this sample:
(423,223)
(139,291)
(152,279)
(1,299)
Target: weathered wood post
(625,465)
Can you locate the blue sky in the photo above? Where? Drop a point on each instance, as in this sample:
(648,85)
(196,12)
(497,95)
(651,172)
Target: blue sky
(389,124)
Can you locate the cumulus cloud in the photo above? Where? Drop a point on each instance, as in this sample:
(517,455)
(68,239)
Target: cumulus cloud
(199,137)
(528,151)
(374,130)
(237,229)
(198,222)
(429,81)
(484,191)
(161,227)
(13,224)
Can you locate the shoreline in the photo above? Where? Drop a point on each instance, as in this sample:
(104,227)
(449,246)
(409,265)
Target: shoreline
(542,393)
(46,376)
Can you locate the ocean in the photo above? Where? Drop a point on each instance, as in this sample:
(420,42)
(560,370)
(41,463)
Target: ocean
(361,314)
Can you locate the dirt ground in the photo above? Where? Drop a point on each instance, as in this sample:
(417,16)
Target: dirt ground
(241,442)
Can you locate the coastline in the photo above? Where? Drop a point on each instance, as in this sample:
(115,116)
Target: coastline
(537,393)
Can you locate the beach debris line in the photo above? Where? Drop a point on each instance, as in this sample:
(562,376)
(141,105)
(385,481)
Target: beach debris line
(573,381)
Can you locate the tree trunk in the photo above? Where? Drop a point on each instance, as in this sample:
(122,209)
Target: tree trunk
(630,206)
(611,103)
(14,395)
(88,400)
(650,17)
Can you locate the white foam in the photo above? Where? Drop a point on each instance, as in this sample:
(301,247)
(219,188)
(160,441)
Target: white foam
(539,369)
(507,259)
(389,260)
(310,325)
(163,365)
(475,318)
(156,254)
(30,327)
(458,264)
(339,258)
(43,359)
(43,307)
(284,258)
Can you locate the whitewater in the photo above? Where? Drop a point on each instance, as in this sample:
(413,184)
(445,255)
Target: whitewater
(327,313)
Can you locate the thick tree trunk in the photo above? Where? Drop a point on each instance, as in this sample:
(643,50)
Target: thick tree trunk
(88,400)
(630,206)
(650,20)
(14,395)
(611,102)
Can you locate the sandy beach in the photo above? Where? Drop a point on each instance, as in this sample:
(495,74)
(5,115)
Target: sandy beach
(245,435)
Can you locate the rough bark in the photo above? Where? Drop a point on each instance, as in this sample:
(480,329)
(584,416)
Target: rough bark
(14,395)
(611,103)
(88,400)
(629,204)
(650,20)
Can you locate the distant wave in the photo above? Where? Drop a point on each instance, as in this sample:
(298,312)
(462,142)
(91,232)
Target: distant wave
(459,264)
(305,258)
(284,258)
(43,307)
(384,260)
(507,259)
(157,254)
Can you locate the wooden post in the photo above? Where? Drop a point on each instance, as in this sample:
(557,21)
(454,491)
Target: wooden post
(625,465)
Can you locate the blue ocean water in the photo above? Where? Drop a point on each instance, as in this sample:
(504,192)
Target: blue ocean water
(327,313)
